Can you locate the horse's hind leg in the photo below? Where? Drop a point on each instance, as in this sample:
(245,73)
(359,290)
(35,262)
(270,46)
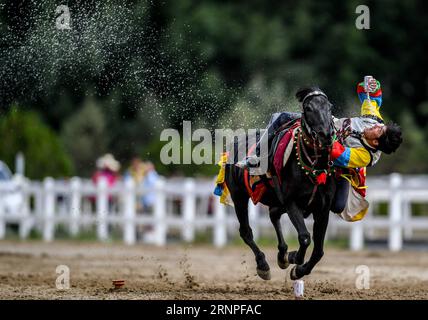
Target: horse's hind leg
(241,209)
(304,237)
(282,258)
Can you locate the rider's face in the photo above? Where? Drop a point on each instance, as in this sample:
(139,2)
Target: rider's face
(372,134)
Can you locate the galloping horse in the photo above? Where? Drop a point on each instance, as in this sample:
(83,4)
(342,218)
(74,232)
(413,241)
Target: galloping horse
(301,194)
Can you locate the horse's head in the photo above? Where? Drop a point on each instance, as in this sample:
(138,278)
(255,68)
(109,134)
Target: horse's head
(316,118)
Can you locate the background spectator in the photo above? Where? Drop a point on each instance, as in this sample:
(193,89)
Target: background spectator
(107,167)
(149,183)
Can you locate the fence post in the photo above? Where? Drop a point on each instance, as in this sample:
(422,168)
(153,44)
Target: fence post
(2,218)
(395,204)
(38,208)
(370,231)
(20,164)
(160,213)
(129,229)
(220,235)
(357,236)
(49,209)
(407,218)
(253,217)
(102,209)
(75,204)
(189,208)
(26,220)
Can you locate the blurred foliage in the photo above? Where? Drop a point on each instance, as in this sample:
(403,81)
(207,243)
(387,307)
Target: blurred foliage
(23,131)
(85,136)
(149,65)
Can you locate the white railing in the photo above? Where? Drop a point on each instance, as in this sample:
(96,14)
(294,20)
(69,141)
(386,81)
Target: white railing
(188,206)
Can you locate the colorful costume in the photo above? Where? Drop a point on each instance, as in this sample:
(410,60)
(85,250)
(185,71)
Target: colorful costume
(354,154)
(221,189)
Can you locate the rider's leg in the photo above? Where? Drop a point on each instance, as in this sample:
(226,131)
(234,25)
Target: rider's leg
(283,118)
(341,195)
(274,125)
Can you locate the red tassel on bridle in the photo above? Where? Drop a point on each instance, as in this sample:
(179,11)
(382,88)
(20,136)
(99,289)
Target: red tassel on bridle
(322,178)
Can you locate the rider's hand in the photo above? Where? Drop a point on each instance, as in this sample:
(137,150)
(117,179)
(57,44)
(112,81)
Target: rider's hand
(372,86)
(375,91)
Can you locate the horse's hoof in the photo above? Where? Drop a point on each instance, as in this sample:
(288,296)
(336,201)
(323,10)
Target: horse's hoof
(293,274)
(265,275)
(283,264)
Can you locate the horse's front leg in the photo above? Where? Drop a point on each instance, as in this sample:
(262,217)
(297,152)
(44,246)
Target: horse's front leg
(282,258)
(303,235)
(319,230)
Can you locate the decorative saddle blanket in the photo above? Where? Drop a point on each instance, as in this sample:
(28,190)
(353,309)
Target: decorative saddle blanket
(257,185)
(282,146)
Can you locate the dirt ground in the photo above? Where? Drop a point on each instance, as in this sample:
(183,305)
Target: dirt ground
(28,271)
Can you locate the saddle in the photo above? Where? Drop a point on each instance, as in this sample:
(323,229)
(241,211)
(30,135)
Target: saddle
(280,149)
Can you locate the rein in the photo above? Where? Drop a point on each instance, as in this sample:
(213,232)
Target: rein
(301,144)
(306,139)
(316,176)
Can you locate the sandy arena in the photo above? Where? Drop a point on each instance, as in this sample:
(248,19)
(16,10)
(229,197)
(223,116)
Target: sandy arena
(28,271)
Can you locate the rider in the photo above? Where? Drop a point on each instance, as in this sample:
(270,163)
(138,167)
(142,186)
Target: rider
(362,139)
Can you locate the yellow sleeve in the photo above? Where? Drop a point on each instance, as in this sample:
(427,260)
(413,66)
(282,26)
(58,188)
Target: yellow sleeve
(359,158)
(370,107)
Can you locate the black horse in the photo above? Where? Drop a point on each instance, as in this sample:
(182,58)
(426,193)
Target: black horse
(300,193)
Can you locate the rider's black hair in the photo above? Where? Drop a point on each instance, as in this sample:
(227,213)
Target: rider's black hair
(391,139)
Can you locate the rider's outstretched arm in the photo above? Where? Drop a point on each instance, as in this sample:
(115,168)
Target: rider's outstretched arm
(370,107)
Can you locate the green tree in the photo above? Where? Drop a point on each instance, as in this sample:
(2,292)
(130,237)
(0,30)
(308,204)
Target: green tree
(85,137)
(23,131)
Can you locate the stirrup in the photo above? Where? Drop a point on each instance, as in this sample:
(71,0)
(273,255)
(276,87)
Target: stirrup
(249,162)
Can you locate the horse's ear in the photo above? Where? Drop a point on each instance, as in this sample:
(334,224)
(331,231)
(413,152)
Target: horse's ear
(303,92)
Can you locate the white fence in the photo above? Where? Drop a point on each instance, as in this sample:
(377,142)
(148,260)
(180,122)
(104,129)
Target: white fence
(187,206)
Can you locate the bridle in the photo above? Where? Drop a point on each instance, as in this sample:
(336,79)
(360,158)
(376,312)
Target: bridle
(307,138)
(307,130)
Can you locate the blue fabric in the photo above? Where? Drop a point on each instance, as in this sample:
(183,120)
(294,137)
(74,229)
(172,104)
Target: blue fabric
(218,190)
(341,196)
(363,96)
(278,120)
(149,182)
(343,160)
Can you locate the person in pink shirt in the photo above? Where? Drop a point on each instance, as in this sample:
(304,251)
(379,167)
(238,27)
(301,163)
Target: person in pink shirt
(107,167)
